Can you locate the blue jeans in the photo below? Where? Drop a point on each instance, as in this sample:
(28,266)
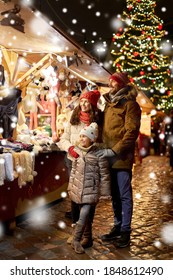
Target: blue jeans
(122,200)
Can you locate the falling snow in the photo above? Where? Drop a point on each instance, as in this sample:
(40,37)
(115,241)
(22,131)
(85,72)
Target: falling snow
(167,233)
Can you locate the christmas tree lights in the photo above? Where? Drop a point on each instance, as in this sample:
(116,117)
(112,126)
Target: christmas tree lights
(137,50)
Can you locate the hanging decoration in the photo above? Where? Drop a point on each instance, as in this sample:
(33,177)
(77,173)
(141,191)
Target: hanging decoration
(13,19)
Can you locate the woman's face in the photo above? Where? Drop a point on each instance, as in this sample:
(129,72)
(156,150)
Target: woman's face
(85,105)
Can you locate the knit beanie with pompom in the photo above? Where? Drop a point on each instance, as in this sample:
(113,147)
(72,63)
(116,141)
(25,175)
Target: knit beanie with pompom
(90,131)
(92,96)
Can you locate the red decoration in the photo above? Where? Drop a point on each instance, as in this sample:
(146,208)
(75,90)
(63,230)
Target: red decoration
(131,80)
(118,34)
(130,7)
(154,67)
(113,39)
(135,53)
(143,32)
(160,26)
(152,56)
(143,81)
(168,92)
(141,73)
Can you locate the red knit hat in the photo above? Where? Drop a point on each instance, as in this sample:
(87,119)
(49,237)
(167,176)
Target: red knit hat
(121,78)
(92,96)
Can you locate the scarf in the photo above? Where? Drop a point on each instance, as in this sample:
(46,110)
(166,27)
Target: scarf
(116,96)
(84,117)
(84,149)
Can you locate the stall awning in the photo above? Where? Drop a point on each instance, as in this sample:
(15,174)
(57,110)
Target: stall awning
(39,44)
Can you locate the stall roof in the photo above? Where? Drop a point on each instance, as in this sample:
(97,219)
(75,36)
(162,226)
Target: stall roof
(41,38)
(41,44)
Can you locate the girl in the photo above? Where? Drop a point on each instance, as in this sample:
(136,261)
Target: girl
(89,179)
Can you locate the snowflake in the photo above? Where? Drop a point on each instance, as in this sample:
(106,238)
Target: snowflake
(167,233)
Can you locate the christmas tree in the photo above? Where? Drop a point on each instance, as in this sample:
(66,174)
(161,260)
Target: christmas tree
(137,49)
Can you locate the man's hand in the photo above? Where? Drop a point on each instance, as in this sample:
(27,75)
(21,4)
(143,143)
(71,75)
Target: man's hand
(105,153)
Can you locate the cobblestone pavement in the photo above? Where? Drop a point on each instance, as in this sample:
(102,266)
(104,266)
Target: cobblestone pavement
(152,234)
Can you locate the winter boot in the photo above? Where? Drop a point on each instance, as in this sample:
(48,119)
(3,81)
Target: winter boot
(124,240)
(87,240)
(112,235)
(69,240)
(79,229)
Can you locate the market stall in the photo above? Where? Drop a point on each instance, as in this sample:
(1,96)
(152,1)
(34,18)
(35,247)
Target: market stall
(42,72)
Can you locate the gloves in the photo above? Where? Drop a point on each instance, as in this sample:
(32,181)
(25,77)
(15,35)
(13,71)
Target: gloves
(105,153)
(72,152)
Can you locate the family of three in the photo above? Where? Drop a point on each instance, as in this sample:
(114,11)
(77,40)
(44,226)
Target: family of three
(100,154)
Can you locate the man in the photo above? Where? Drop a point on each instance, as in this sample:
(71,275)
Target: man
(169,138)
(122,116)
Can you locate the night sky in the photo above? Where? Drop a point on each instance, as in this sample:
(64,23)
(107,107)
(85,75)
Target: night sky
(90,23)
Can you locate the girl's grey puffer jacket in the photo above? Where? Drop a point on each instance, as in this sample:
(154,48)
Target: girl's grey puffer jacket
(89,178)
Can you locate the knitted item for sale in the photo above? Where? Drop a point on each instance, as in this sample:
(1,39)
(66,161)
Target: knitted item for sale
(15,164)
(23,166)
(28,166)
(2,169)
(9,175)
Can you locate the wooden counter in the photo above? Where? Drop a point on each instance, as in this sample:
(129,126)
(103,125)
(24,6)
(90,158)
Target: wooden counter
(51,180)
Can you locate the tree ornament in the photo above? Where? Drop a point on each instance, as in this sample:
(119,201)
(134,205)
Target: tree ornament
(160,26)
(143,81)
(141,73)
(135,53)
(130,7)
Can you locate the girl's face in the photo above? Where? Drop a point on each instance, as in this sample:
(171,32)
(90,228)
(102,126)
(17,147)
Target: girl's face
(85,105)
(85,141)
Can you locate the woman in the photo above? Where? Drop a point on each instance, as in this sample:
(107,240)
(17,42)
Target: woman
(82,115)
